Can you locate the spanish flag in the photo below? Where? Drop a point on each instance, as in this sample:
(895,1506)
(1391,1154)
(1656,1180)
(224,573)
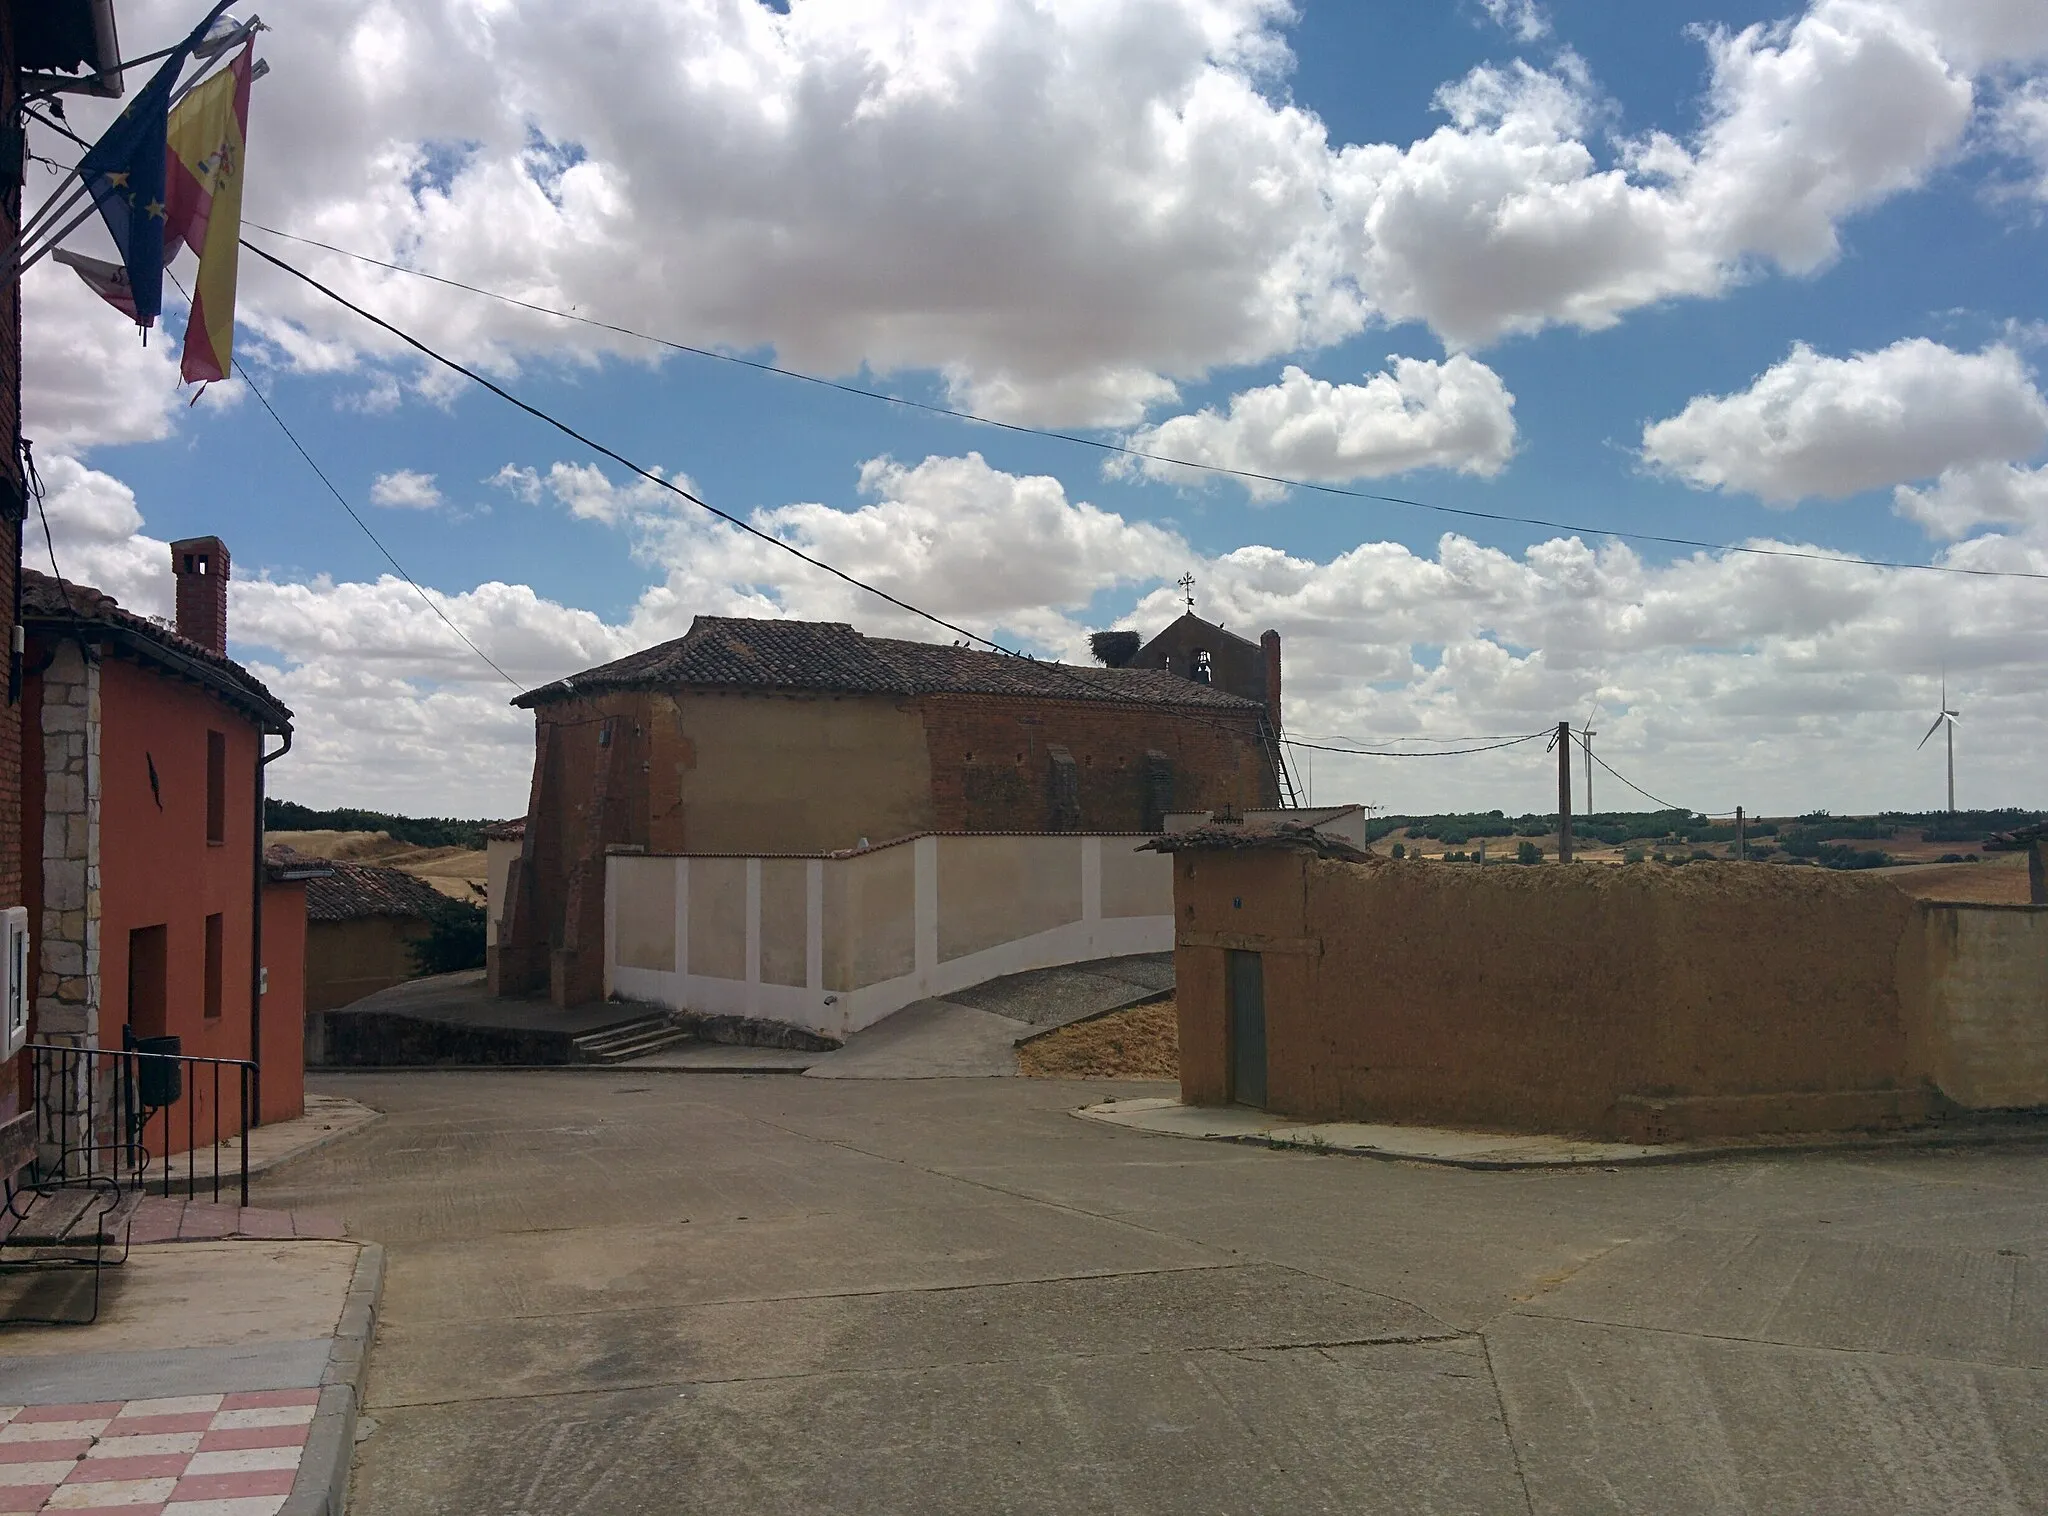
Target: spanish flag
(203,191)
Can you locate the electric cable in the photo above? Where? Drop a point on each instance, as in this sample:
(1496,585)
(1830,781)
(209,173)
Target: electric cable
(342,501)
(1663,803)
(1120,449)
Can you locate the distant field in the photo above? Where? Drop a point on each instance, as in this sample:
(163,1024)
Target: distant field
(1998,879)
(457,872)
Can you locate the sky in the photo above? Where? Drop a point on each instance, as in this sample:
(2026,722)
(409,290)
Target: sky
(1754,275)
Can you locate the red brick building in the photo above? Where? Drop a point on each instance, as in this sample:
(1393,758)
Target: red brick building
(46,47)
(791,736)
(141,832)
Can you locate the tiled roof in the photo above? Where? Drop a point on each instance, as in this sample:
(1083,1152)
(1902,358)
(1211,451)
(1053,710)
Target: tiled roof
(353,891)
(47,604)
(725,652)
(506,831)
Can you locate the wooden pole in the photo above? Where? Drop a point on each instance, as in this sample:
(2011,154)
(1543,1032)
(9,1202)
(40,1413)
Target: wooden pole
(1741,835)
(1564,792)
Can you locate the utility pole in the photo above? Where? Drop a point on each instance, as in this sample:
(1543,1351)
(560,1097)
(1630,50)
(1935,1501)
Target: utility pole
(1564,792)
(1741,836)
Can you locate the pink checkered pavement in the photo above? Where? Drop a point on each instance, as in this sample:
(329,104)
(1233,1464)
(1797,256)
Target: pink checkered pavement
(189,1455)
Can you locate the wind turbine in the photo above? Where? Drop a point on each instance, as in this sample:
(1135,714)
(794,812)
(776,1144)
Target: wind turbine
(1947,718)
(1586,736)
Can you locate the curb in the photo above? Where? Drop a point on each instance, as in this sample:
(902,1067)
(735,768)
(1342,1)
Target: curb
(325,1139)
(321,1488)
(1978,1136)
(352,1070)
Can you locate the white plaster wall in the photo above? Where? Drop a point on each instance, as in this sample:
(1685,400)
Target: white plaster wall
(972,885)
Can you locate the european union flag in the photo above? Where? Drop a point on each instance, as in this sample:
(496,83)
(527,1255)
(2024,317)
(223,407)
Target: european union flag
(124,172)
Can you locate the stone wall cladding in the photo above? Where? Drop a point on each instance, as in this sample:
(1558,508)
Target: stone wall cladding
(68,986)
(991,761)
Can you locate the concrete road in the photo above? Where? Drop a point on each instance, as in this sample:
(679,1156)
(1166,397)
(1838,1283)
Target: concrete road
(703,1293)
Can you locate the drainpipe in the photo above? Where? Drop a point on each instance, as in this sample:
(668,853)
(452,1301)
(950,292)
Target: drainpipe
(261,877)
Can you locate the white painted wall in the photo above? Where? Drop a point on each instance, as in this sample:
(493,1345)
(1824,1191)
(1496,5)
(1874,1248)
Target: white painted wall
(953,880)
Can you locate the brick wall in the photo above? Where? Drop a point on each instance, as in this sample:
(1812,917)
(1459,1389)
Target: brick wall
(10,500)
(993,771)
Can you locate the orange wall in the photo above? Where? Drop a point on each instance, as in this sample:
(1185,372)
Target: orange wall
(156,866)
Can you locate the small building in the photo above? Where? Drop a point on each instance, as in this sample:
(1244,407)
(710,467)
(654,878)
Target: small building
(776,737)
(502,841)
(362,925)
(142,834)
(1640,1003)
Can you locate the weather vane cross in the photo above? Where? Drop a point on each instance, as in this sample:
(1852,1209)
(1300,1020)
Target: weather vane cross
(1187,588)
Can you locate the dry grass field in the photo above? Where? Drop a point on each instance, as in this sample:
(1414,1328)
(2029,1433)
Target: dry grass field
(457,872)
(1140,1043)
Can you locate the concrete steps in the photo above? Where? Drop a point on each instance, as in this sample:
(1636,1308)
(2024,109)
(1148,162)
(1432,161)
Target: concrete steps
(627,1040)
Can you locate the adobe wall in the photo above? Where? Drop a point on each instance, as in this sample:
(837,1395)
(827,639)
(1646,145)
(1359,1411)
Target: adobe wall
(1986,968)
(782,773)
(346,960)
(992,769)
(284,1000)
(1640,1003)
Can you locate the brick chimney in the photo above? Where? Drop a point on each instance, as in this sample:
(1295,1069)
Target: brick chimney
(1270,644)
(200,567)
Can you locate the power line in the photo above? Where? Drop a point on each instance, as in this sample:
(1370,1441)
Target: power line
(341,500)
(668,484)
(1119,449)
(358,520)
(1664,804)
(623,461)
(1456,752)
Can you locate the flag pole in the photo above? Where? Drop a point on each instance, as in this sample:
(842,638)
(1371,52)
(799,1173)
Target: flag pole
(18,265)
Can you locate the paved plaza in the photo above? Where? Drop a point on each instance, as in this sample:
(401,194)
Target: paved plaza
(660,1291)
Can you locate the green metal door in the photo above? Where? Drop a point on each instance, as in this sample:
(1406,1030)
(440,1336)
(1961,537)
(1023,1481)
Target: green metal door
(1246,974)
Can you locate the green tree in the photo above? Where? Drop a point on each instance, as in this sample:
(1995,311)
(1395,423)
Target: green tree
(454,940)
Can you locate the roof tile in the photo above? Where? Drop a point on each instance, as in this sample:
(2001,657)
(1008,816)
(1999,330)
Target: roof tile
(735,653)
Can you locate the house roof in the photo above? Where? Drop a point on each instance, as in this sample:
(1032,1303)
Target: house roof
(506,831)
(1243,837)
(727,652)
(354,891)
(50,606)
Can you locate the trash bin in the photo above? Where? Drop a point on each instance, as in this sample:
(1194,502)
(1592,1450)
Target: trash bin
(159,1079)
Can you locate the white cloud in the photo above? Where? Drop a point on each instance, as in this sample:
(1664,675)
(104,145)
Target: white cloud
(590,495)
(982,548)
(87,378)
(1812,425)
(1522,19)
(1775,683)
(2020,126)
(1419,414)
(1983,494)
(1505,221)
(406,490)
(1066,209)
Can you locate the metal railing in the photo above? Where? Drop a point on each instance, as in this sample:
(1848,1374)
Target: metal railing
(137,1116)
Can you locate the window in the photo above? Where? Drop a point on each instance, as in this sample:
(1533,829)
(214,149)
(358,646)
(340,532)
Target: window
(213,965)
(216,786)
(147,975)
